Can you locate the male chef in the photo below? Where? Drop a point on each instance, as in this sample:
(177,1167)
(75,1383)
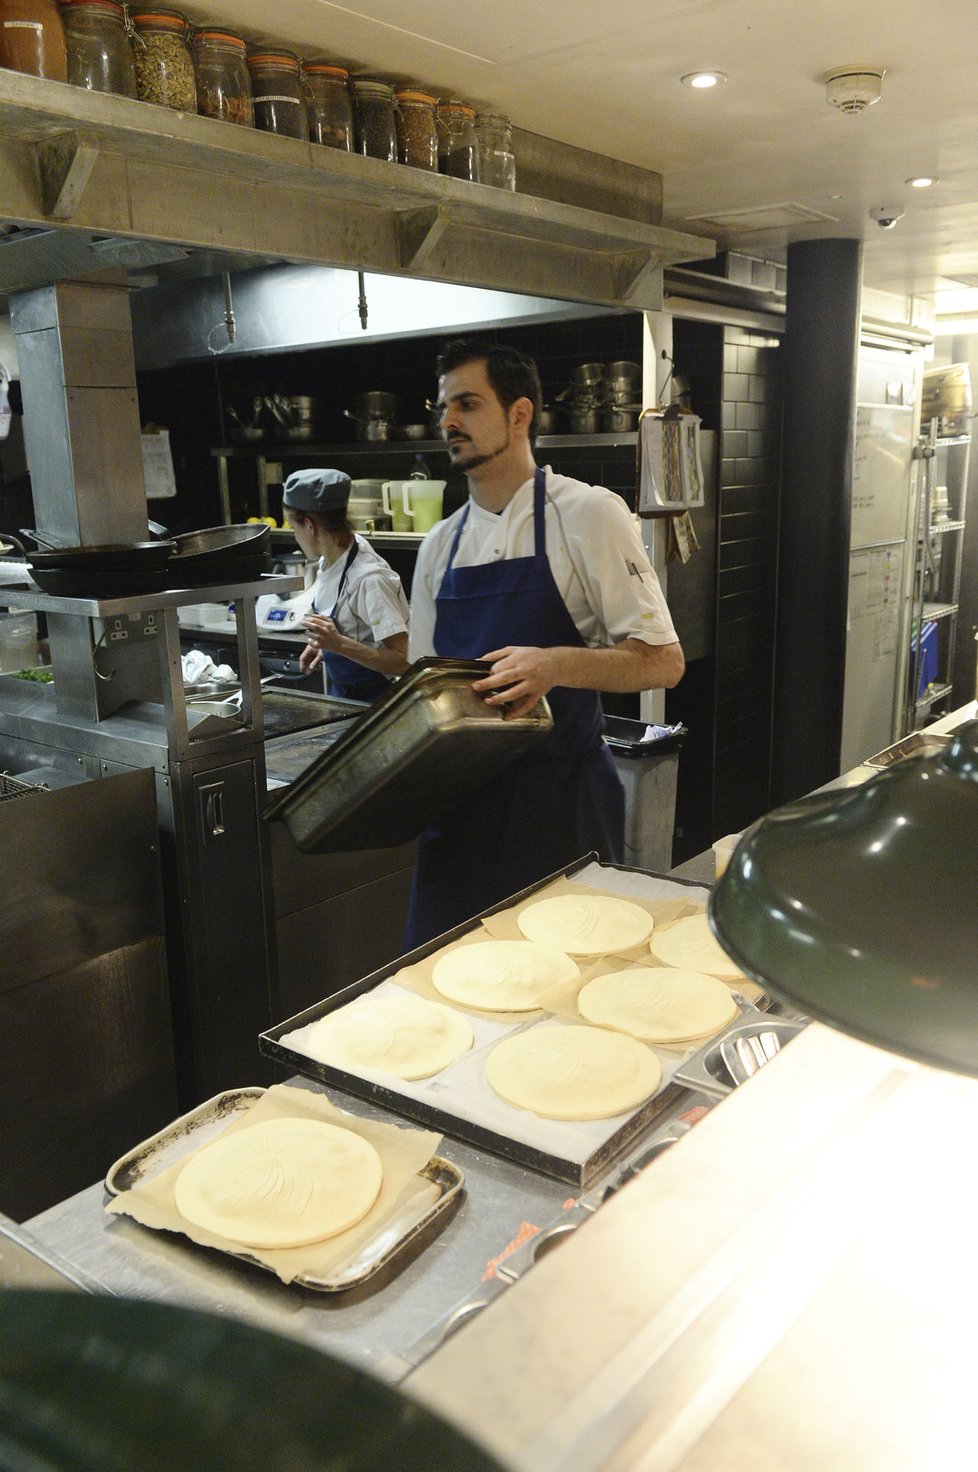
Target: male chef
(548,580)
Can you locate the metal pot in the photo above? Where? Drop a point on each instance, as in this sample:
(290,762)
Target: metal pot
(546,422)
(586,421)
(414,431)
(588,375)
(378,405)
(621,419)
(623,372)
(371,429)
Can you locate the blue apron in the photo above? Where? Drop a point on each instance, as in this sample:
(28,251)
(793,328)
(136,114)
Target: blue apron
(556,802)
(347,679)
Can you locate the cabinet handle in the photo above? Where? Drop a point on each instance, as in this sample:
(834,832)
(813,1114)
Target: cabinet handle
(213,805)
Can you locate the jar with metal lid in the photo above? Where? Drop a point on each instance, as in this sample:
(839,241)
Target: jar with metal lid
(494,146)
(99,54)
(32,39)
(221,70)
(417,135)
(456,139)
(374,133)
(163,60)
(329,111)
(276,90)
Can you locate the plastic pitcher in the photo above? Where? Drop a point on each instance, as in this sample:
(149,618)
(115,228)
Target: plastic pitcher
(414,505)
(18,641)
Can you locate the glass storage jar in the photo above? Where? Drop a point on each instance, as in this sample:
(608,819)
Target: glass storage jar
(99,54)
(163,60)
(32,39)
(276,92)
(456,140)
(329,111)
(373,119)
(417,135)
(494,147)
(223,84)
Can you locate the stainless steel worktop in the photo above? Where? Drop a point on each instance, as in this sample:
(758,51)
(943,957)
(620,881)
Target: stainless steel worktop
(375,1327)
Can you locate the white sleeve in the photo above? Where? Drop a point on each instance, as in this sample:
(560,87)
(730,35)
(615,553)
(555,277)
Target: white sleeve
(378,606)
(619,582)
(421,630)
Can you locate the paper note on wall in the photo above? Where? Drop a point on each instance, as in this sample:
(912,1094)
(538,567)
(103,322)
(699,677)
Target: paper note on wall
(158,465)
(670,468)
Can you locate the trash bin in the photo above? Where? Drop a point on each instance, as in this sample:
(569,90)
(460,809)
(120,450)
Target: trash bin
(649,771)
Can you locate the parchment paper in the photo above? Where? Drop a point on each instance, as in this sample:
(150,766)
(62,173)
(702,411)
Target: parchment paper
(404,1151)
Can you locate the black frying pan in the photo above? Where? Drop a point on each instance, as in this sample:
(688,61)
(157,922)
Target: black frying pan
(107,557)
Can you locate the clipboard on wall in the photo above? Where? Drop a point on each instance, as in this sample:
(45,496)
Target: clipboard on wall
(670,470)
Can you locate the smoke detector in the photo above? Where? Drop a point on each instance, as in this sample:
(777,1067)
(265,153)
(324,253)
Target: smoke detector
(855,87)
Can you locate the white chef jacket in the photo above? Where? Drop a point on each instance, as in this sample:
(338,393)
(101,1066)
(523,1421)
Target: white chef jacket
(372,605)
(594,548)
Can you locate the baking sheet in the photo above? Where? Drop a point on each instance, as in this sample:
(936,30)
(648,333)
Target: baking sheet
(459,1100)
(418,1188)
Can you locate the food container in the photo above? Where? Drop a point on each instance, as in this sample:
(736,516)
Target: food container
(374,132)
(163,60)
(99,54)
(620,419)
(32,39)
(223,83)
(329,110)
(428,743)
(457,152)
(276,92)
(417,135)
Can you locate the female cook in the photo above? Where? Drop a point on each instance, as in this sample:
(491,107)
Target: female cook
(357,626)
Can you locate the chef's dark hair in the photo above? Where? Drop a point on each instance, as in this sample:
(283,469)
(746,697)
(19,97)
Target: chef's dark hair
(513,375)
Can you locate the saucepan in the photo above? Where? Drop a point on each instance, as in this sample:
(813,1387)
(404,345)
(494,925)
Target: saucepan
(371,429)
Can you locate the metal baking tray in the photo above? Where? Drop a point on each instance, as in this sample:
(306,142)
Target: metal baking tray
(916,744)
(428,743)
(578,1173)
(706,1070)
(398,1240)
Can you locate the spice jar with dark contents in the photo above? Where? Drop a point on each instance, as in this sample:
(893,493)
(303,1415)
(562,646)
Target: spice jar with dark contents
(163,59)
(99,54)
(417,135)
(276,90)
(32,39)
(373,119)
(223,84)
(329,110)
(456,139)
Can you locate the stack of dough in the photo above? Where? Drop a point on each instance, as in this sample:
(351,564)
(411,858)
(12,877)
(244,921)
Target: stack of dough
(658,1004)
(690,943)
(501,975)
(281,1183)
(390,1033)
(573,1072)
(586,924)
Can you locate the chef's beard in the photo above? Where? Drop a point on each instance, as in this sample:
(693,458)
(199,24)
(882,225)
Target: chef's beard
(473,462)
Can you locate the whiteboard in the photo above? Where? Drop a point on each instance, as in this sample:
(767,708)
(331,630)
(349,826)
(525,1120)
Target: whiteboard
(872,684)
(881,473)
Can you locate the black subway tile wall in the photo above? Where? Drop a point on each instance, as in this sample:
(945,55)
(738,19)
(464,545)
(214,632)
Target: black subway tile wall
(749,496)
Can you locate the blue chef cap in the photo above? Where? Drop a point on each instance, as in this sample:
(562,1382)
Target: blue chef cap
(316,491)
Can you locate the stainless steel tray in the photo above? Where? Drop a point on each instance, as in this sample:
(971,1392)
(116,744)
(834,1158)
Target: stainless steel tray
(417,1220)
(427,744)
(706,1069)
(916,744)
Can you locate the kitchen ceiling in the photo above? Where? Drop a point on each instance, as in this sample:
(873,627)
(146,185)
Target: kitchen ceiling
(754,163)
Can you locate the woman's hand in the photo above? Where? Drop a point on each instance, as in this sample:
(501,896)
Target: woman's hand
(322,633)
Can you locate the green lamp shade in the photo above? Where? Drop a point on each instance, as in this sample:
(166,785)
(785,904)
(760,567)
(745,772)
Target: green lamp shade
(858,906)
(103,1384)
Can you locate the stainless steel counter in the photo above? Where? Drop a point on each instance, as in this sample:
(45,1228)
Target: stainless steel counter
(376,1328)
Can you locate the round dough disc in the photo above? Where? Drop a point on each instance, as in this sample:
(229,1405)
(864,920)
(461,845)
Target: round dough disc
(586,924)
(281,1183)
(658,1004)
(404,1035)
(568,1072)
(501,975)
(690,944)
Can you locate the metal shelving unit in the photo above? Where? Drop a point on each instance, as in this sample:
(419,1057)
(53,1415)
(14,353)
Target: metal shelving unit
(937,575)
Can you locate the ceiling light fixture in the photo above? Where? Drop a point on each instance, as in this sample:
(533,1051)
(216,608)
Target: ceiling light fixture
(702,80)
(855,87)
(923,181)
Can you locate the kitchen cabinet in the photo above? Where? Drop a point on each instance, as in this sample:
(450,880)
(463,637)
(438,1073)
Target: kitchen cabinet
(937,574)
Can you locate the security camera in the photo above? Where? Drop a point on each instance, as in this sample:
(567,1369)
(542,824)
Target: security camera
(886,215)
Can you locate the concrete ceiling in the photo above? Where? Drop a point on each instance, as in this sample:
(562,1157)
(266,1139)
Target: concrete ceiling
(608,78)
